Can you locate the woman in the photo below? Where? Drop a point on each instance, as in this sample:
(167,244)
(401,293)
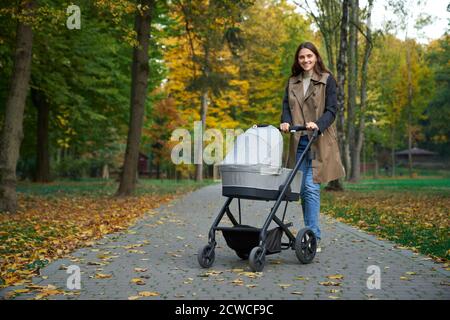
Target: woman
(310,100)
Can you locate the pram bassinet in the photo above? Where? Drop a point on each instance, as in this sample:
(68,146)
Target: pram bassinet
(252,169)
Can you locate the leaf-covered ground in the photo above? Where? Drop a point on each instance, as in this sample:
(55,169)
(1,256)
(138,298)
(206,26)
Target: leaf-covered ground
(54,219)
(411,212)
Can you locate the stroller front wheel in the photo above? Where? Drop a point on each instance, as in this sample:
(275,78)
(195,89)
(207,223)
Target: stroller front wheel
(257,259)
(206,256)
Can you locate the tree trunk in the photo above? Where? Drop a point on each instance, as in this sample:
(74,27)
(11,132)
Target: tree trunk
(42,145)
(139,81)
(410,96)
(375,151)
(105,172)
(356,172)
(12,132)
(341,69)
(393,150)
(352,86)
(203,113)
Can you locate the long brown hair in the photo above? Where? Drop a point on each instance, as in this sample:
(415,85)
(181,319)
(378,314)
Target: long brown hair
(319,67)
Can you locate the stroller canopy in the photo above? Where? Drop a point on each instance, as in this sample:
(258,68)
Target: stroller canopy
(257,146)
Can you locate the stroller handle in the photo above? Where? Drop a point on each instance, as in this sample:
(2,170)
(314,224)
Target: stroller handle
(297,128)
(292,129)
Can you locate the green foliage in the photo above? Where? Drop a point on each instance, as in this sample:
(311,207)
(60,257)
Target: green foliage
(437,128)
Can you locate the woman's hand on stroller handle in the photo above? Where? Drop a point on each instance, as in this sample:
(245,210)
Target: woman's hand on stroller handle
(285,127)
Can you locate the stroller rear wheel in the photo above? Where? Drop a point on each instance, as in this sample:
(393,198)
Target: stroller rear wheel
(257,259)
(206,256)
(305,245)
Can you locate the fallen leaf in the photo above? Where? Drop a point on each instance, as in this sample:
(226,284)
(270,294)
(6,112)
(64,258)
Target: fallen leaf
(102,276)
(138,281)
(329,283)
(22,290)
(136,251)
(251,275)
(336,277)
(335,291)
(148,294)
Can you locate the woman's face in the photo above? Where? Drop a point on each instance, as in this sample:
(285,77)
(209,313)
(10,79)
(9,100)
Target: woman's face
(307,59)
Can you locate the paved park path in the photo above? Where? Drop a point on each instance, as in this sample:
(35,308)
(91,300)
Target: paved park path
(160,254)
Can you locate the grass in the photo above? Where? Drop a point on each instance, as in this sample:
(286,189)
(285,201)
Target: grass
(424,185)
(411,212)
(100,187)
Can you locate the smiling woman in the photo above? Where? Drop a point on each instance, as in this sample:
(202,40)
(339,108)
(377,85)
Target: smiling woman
(310,100)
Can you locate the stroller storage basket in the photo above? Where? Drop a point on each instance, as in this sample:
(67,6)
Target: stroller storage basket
(243,238)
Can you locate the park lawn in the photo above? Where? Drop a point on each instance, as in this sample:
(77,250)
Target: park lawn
(414,213)
(56,218)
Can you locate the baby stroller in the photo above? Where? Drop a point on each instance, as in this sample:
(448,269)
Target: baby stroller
(252,170)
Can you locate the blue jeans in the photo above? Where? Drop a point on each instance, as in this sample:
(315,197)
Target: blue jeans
(310,191)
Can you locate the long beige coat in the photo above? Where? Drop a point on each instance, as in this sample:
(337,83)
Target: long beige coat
(309,107)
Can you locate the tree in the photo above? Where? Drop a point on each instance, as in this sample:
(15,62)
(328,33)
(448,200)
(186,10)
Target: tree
(139,81)
(207,25)
(12,131)
(340,91)
(356,157)
(436,128)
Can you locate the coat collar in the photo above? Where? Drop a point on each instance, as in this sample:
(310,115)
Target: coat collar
(315,78)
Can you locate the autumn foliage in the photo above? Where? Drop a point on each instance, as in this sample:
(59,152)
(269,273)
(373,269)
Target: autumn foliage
(45,229)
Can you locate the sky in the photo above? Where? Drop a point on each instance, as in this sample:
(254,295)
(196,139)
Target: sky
(437,9)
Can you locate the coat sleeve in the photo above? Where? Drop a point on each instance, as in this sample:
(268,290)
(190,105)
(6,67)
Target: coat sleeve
(330,110)
(286,113)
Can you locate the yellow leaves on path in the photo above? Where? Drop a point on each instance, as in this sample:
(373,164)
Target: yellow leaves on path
(148,294)
(238,282)
(329,283)
(41,291)
(45,229)
(138,281)
(336,277)
(102,276)
(144,294)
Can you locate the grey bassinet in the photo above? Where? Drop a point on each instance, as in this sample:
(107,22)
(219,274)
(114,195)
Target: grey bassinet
(252,169)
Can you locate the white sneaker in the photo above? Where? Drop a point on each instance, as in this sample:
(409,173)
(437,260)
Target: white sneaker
(318,248)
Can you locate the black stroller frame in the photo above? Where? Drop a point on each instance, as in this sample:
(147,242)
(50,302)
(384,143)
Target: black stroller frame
(263,241)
